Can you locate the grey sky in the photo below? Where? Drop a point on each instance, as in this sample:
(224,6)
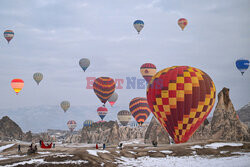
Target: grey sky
(51,36)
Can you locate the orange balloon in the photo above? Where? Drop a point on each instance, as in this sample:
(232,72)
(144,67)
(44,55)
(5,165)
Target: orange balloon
(17,85)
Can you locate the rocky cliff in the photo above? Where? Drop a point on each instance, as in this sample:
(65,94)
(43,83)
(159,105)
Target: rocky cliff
(244,114)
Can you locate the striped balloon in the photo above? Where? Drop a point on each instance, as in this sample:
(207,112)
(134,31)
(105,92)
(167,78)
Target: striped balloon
(102,112)
(124,116)
(148,70)
(139,109)
(181,97)
(242,65)
(88,123)
(8,35)
(113,99)
(17,85)
(138,24)
(104,87)
(38,77)
(182,22)
(71,125)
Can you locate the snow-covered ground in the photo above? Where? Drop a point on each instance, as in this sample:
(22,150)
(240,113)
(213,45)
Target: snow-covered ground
(94,152)
(166,151)
(217,145)
(188,161)
(2,148)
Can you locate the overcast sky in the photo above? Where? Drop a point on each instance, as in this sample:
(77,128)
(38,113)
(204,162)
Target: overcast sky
(51,36)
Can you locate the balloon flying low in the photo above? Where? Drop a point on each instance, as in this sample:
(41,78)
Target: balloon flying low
(181,97)
(138,24)
(71,125)
(124,116)
(102,112)
(17,85)
(113,99)
(8,35)
(84,63)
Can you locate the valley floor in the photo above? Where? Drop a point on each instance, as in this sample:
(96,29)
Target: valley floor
(133,154)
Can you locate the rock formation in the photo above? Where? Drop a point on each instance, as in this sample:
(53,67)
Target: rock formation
(244,114)
(155,132)
(9,130)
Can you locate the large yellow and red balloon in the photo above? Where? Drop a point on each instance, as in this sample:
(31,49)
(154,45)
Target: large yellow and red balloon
(181,97)
(139,109)
(17,85)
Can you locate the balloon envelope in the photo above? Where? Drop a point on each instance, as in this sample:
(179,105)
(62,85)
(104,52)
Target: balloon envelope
(104,87)
(102,112)
(8,35)
(88,123)
(124,116)
(148,70)
(65,105)
(139,109)
(113,99)
(181,97)
(71,125)
(242,65)
(38,77)
(182,22)
(138,24)
(84,63)
(17,85)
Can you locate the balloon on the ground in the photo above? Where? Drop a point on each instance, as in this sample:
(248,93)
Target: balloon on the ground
(84,63)
(8,35)
(181,97)
(104,87)
(71,125)
(138,24)
(102,112)
(113,99)
(17,85)
(88,123)
(124,116)
(182,22)
(139,109)
(38,77)
(242,65)
(148,70)
(65,105)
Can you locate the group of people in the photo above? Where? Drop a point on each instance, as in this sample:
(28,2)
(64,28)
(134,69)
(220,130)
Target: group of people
(103,146)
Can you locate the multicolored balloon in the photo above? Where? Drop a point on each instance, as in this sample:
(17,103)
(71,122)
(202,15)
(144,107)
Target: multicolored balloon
(71,125)
(104,87)
(182,22)
(88,123)
(242,65)
(38,77)
(138,24)
(101,121)
(8,35)
(65,105)
(124,116)
(102,112)
(113,99)
(17,85)
(148,70)
(139,109)
(84,63)
(181,97)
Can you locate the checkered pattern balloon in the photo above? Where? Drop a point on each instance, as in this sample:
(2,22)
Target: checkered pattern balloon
(181,97)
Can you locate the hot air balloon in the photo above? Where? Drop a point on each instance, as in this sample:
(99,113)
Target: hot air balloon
(88,123)
(113,99)
(139,109)
(38,77)
(8,35)
(148,70)
(17,85)
(181,97)
(104,87)
(101,121)
(124,116)
(65,105)
(182,22)
(138,24)
(84,63)
(71,125)
(102,112)
(242,65)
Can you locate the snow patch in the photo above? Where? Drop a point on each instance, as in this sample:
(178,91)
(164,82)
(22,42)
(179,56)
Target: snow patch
(152,151)
(94,152)
(132,152)
(196,146)
(217,145)
(2,148)
(166,151)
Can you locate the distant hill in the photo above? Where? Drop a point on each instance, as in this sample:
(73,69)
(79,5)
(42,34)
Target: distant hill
(244,114)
